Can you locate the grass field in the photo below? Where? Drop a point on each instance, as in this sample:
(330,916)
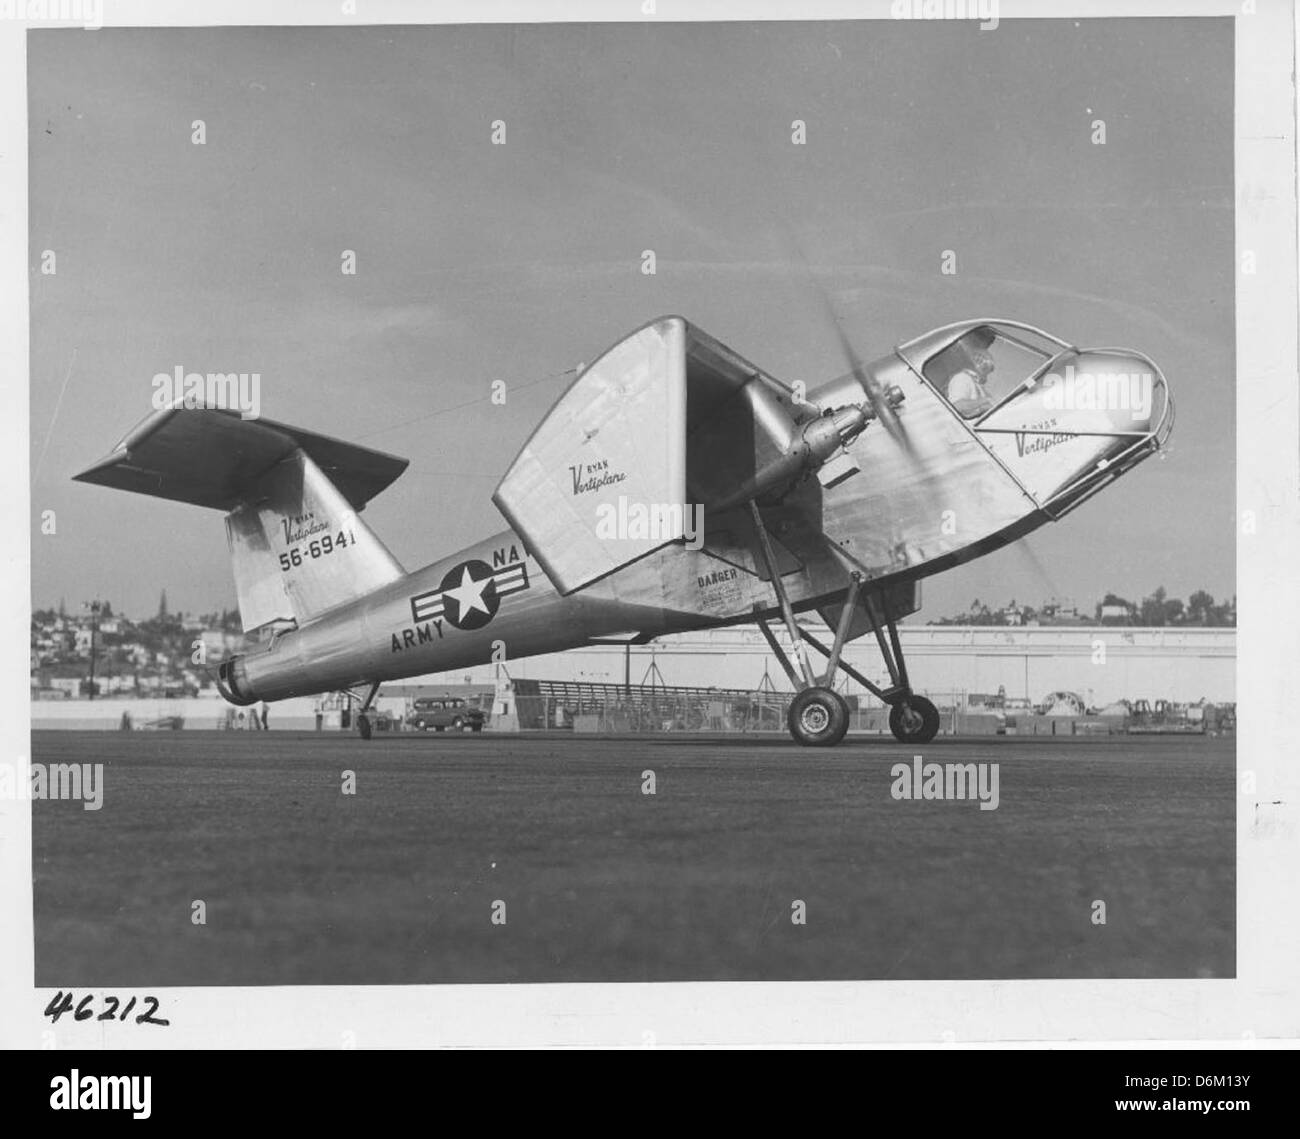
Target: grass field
(396,883)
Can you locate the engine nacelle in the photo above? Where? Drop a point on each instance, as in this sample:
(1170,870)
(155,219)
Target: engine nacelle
(817,445)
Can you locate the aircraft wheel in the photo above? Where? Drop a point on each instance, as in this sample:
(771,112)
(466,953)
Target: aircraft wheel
(914,720)
(818,717)
(363,726)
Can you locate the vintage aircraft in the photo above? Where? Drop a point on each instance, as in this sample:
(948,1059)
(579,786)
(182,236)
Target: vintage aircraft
(837,499)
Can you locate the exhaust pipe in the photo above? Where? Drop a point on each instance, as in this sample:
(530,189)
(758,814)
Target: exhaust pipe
(232,682)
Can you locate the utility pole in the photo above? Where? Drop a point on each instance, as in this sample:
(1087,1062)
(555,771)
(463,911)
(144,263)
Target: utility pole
(93,606)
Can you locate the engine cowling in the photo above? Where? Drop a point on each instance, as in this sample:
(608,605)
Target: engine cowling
(816,444)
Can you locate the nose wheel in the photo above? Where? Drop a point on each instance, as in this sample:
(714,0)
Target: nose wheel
(914,720)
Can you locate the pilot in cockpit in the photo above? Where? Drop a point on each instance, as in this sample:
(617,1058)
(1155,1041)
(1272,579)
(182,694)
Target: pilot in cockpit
(968,387)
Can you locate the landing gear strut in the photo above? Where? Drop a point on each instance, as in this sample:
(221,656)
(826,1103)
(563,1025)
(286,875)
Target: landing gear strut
(363,721)
(819,716)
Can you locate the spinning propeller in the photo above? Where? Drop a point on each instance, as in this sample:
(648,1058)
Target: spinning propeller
(884,402)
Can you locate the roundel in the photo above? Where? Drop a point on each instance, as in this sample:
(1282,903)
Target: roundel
(469,595)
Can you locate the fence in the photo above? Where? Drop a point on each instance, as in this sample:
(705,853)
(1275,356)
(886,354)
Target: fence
(593,707)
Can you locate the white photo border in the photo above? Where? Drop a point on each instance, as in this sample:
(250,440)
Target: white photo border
(1259,1005)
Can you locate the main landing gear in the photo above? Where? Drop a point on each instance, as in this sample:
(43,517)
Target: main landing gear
(363,721)
(819,716)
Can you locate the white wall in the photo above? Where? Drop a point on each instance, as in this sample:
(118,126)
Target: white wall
(1100,664)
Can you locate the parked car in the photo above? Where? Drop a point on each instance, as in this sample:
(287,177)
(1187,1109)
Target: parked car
(441,712)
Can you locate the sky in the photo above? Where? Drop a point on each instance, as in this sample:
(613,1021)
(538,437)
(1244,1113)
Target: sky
(479,262)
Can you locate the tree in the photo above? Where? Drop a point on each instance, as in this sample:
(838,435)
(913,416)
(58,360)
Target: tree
(1153,608)
(1113,599)
(1200,608)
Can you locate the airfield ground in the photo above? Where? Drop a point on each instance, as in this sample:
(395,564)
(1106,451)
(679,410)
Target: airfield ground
(396,884)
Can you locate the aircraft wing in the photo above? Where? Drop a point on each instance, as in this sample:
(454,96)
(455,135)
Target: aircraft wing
(667,417)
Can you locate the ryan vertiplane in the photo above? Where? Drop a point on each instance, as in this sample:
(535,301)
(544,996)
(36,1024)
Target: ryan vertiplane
(838,500)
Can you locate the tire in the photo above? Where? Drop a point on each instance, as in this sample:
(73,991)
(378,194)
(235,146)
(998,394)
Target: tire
(818,717)
(422,725)
(363,726)
(914,720)
(458,724)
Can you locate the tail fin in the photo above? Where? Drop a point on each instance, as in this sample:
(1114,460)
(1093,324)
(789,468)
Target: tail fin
(291,499)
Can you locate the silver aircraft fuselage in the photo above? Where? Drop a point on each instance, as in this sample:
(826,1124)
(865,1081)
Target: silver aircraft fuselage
(967,487)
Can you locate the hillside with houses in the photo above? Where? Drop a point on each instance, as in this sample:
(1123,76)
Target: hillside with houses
(160,656)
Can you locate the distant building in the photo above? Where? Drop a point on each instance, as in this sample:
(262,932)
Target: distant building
(67,686)
(949,662)
(217,643)
(1059,610)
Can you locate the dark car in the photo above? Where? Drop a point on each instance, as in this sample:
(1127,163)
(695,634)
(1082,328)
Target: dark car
(439,712)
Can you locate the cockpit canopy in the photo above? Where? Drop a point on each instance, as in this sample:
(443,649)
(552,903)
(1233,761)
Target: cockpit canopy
(1061,420)
(976,369)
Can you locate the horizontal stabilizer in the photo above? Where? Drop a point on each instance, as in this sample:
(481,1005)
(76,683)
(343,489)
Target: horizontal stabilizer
(211,457)
(291,499)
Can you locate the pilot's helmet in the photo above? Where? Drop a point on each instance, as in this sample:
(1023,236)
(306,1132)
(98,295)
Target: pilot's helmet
(976,344)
